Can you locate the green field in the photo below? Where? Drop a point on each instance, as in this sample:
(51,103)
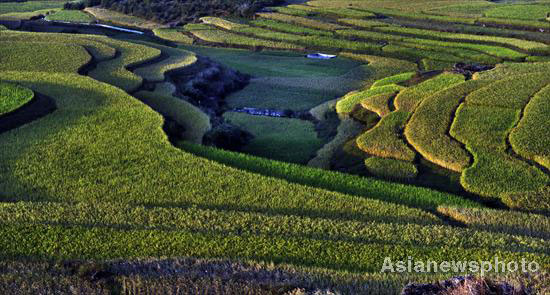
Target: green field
(276,138)
(29,6)
(13,97)
(74,16)
(390,150)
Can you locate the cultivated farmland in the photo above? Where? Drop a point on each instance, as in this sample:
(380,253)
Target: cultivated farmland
(221,153)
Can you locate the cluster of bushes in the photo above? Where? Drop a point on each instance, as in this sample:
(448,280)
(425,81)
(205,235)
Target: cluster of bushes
(170,11)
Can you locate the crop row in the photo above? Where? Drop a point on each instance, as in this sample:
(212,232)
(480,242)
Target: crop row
(375,230)
(363,23)
(98,50)
(490,53)
(13,97)
(530,138)
(330,180)
(408,99)
(391,168)
(380,67)
(514,223)
(42,241)
(513,92)
(429,64)
(302,21)
(445,36)
(74,16)
(214,35)
(195,122)
(494,173)
(306,10)
(507,70)
(42,56)
(113,165)
(413,52)
(464,49)
(427,129)
(115,71)
(441,50)
(346,104)
(385,139)
(288,27)
(174,35)
(379,103)
(305,41)
(174,59)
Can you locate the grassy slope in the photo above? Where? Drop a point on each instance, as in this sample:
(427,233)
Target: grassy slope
(107,170)
(115,71)
(42,56)
(184,179)
(13,97)
(28,6)
(277,138)
(175,59)
(75,16)
(195,122)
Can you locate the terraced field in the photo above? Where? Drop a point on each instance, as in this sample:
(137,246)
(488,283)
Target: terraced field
(13,97)
(117,174)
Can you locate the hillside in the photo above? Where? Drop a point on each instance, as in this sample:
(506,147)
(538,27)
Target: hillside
(216,158)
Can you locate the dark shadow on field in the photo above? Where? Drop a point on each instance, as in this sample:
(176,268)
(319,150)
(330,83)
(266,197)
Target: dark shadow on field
(38,107)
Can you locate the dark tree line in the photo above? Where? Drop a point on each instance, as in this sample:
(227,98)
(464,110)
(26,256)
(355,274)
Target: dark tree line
(176,11)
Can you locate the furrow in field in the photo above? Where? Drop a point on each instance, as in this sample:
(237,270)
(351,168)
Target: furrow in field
(427,130)
(530,138)
(494,172)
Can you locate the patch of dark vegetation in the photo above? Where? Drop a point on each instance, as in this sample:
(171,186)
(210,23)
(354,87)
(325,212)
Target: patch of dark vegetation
(170,276)
(469,69)
(177,12)
(421,77)
(227,136)
(38,107)
(206,84)
(364,116)
(520,285)
(327,128)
